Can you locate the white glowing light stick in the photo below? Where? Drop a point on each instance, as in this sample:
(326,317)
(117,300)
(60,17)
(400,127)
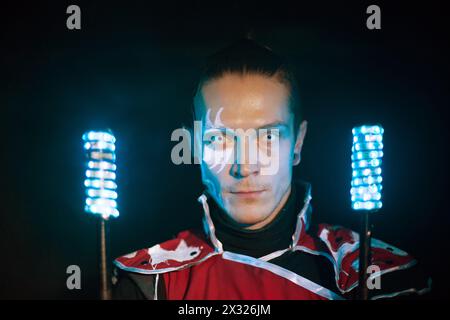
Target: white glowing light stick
(100,183)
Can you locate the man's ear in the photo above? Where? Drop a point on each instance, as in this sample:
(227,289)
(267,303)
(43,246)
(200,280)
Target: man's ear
(299,142)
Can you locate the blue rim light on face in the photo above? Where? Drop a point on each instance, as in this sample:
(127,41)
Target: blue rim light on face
(100,183)
(366,167)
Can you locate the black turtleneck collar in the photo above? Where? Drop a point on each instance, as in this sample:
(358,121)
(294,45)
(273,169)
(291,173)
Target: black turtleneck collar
(274,236)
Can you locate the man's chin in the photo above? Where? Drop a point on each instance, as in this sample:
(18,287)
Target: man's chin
(250,214)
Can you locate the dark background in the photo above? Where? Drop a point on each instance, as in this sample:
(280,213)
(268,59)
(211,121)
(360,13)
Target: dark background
(133,68)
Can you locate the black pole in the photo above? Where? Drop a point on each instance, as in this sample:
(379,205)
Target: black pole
(105,290)
(364,255)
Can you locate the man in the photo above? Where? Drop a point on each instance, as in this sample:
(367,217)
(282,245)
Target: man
(257,241)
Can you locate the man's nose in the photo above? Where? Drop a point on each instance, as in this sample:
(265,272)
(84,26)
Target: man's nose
(245,162)
(244,170)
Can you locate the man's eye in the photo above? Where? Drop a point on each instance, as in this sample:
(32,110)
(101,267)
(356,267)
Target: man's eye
(217,138)
(214,138)
(270,136)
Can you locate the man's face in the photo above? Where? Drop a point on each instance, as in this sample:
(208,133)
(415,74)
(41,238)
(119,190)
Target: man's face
(240,103)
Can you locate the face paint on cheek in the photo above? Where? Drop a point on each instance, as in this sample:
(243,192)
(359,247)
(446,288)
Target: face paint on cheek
(214,158)
(217,159)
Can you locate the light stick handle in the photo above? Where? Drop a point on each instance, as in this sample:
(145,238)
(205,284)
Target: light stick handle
(105,288)
(365,236)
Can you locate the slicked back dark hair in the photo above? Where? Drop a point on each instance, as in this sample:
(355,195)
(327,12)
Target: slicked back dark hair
(246,56)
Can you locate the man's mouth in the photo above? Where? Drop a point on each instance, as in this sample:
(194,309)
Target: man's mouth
(248,193)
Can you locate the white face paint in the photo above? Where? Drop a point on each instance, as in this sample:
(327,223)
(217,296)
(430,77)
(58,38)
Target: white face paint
(218,143)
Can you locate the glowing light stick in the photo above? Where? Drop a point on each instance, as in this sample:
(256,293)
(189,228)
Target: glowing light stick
(101,192)
(366,186)
(366,164)
(100,180)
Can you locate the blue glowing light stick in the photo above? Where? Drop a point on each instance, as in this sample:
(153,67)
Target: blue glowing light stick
(100,183)
(366,186)
(367,152)
(101,193)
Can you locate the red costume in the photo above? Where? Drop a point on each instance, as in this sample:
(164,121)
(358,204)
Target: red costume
(194,265)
